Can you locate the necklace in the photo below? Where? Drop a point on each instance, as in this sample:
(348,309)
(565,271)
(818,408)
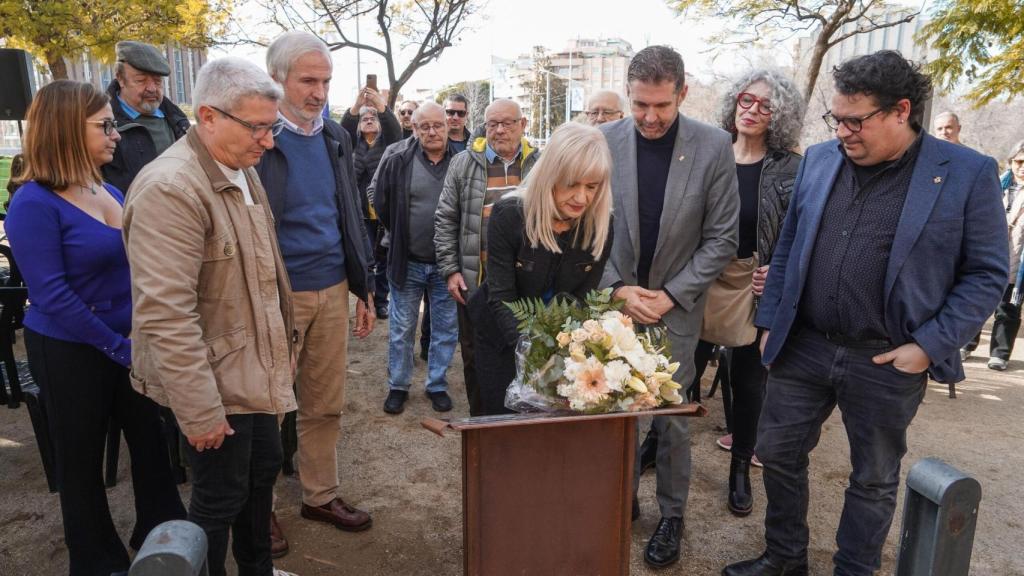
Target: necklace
(91,188)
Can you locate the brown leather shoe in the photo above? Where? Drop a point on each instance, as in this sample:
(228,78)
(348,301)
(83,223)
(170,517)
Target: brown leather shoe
(278,543)
(343,516)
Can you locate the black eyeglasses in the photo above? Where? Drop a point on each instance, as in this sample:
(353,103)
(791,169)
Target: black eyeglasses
(405,112)
(853,123)
(258,130)
(746,100)
(109,125)
(459,113)
(506,124)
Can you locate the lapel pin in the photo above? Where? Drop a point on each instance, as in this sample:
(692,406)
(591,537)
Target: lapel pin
(681,158)
(937,180)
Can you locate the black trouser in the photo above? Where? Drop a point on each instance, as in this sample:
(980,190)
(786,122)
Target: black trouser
(746,377)
(82,389)
(233,489)
(1005,327)
(809,378)
(468,364)
(380,267)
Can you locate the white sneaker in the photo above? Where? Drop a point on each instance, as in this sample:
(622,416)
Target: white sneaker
(965,354)
(997,364)
(725,442)
(279,572)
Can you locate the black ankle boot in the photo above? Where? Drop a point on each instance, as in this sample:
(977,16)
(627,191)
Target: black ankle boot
(741,501)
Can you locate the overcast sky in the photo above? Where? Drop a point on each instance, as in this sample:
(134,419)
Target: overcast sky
(507,29)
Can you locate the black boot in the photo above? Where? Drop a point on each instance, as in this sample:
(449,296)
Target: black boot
(766,565)
(649,451)
(663,547)
(741,501)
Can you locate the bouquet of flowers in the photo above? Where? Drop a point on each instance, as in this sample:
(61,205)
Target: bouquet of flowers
(588,358)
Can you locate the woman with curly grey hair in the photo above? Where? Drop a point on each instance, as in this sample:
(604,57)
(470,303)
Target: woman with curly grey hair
(764,112)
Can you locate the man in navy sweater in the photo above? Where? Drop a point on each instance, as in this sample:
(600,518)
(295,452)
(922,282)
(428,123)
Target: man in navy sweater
(312,191)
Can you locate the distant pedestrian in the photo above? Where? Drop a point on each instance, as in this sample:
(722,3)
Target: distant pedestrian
(1007,320)
(456,109)
(372,128)
(947,127)
(604,106)
(405,110)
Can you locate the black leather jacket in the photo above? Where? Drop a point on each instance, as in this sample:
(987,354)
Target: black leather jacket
(777,177)
(516,271)
(136,148)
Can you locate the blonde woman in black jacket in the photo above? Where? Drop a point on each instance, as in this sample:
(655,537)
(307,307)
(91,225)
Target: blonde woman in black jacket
(550,237)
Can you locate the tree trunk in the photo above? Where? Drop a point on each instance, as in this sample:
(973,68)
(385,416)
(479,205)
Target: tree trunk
(58,67)
(814,67)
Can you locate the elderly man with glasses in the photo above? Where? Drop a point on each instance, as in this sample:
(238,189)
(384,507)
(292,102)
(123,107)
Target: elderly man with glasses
(887,264)
(405,192)
(492,167)
(212,325)
(603,106)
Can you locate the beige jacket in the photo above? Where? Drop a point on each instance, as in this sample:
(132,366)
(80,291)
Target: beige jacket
(212,310)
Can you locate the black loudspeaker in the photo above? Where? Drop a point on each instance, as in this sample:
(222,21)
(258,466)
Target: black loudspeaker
(16,87)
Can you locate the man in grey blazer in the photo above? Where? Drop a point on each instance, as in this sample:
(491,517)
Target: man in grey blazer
(676,206)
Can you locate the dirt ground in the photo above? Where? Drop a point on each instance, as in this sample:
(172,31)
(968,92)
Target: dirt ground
(409,479)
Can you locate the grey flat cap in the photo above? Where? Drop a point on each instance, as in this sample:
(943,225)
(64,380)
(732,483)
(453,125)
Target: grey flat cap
(143,57)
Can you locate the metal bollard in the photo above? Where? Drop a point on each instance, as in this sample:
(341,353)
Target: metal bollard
(939,517)
(174,548)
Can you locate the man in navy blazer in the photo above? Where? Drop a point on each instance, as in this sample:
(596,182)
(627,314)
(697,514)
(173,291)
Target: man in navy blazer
(887,264)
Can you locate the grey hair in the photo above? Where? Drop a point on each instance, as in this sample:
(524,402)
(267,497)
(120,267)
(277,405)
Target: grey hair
(788,108)
(618,97)
(425,107)
(950,114)
(225,81)
(288,47)
(503,101)
(1015,150)
(657,64)
(359,119)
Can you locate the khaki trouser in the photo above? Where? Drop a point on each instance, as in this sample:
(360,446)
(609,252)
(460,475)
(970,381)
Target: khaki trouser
(321,320)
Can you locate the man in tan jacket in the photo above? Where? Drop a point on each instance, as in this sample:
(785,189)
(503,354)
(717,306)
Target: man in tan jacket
(212,325)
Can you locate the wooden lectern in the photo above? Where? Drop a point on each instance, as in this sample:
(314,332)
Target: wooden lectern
(547,494)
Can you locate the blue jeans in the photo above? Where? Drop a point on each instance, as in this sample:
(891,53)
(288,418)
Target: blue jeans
(878,402)
(404,312)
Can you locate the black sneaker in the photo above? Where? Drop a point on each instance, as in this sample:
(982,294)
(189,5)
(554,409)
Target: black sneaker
(382,312)
(441,401)
(395,404)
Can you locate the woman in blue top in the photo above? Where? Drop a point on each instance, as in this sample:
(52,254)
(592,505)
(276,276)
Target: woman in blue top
(64,226)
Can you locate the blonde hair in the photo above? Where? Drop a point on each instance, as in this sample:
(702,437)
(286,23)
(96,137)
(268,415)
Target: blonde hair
(575,152)
(56,153)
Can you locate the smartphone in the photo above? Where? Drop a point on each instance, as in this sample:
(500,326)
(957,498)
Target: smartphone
(371,81)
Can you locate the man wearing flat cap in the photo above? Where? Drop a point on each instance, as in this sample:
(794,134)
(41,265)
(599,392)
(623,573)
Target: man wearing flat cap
(148,122)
